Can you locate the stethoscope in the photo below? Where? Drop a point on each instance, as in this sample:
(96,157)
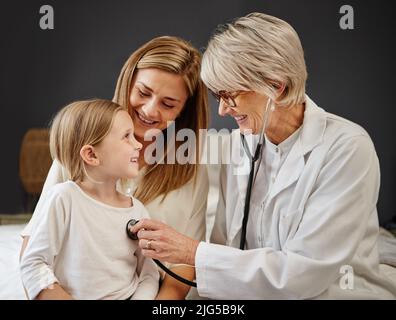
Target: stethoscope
(134,236)
(252,175)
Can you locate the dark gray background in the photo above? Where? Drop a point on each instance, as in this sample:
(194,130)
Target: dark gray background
(351,73)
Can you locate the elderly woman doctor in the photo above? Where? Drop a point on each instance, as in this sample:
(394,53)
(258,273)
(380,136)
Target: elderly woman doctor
(312,226)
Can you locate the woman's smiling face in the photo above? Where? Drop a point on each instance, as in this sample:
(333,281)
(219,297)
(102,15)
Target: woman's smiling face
(248,112)
(157,97)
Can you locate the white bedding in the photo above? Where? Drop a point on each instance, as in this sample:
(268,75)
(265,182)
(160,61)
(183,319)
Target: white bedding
(10,282)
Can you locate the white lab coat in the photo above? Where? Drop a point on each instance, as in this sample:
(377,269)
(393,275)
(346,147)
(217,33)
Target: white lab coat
(323,202)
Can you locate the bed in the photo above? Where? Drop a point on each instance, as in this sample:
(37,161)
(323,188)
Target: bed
(10,243)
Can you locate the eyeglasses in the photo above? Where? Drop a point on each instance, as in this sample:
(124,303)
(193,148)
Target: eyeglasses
(227,97)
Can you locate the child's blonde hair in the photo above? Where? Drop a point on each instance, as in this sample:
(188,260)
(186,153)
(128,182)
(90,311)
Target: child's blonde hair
(80,123)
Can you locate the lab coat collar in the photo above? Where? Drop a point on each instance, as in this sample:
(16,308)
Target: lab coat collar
(314,126)
(312,131)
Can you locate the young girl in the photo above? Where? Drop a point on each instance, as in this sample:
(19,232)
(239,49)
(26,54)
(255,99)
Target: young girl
(78,247)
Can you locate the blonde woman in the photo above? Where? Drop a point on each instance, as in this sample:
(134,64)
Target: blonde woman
(160,84)
(78,249)
(301,222)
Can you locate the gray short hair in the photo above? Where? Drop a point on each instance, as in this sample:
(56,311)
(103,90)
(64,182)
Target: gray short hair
(257,52)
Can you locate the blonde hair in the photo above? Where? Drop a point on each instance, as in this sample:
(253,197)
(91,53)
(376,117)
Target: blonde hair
(176,56)
(80,123)
(258,53)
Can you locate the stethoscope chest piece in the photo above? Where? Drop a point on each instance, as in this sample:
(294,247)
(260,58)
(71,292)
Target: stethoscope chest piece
(134,236)
(129,226)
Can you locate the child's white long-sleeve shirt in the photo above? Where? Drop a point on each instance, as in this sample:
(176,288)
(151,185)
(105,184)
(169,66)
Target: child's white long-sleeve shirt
(82,244)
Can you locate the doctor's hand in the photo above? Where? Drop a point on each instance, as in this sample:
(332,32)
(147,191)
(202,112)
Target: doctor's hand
(160,241)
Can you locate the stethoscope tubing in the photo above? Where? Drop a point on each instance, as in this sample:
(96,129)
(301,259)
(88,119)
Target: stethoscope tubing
(252,173)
